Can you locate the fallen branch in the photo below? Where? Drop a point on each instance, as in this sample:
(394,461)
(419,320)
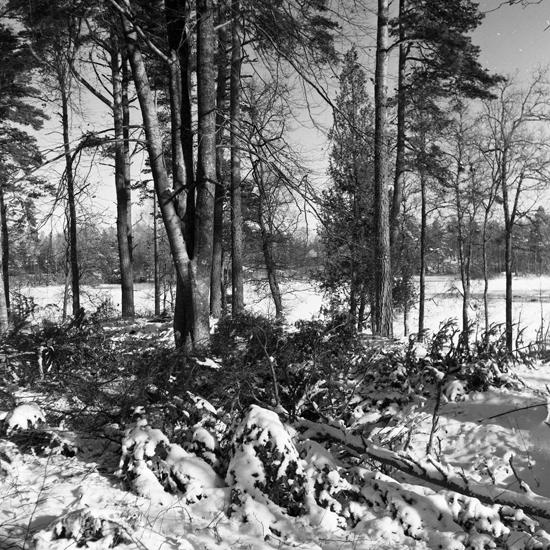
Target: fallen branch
(432,471)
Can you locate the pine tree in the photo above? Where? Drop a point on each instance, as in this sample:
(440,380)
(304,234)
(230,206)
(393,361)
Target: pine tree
(347,213)
(19,154)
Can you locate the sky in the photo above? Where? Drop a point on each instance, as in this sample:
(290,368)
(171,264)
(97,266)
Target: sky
(514,38)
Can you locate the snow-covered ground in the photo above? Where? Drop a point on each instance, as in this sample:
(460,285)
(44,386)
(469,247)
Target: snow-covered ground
(45,499)
(303,301)
(531,311)
(486,436)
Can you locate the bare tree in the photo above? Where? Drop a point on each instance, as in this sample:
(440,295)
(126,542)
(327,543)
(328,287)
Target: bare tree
(517,153)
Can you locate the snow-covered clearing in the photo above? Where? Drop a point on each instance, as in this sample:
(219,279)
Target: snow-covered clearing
(497,438)
(303,301)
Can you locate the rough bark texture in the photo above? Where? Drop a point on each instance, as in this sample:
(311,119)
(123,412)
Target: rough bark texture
(221,105)
(397,198)
(423,232)
(236,208)
(206,167)
(71,200)
(123,193)
(4,318)
(5,252)
(383,314)
(171,219)
(182,170)
(156,256)
(508,227)
(267,249)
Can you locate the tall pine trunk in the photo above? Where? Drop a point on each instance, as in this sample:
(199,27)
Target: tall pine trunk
(423,231)
(4,317)
(182,166)
(397,198)
(5,251)
(221,105)
(206,167)
(122,184)
(383,312)
(156,261)
(71,199)
(235,125)
(163,188)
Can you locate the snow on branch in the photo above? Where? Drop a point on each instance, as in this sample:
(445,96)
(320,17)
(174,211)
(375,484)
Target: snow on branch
(430,470)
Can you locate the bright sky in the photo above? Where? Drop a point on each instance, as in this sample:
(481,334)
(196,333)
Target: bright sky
(514,37)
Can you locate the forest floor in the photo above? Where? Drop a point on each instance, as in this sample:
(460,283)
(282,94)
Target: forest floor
(498,437)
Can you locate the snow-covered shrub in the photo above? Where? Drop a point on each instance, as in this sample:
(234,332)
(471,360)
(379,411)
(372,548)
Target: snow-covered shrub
(99,529)
(154,467)
(266,463)
(142,464)
(244,345)
(9,456)
(191,473)
(327,482)
(435,518)
(24,417)
(308,363)
(26,427)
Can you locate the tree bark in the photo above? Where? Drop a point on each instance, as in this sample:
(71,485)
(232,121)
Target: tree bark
(267,247)
(383,314)
(123,223)
(71,200)
(423,231)
(156,266)
(508,227)
(221,105)
(206,167)
(182,166)
(237,280)
(397,198)
(171,219)
(5,247)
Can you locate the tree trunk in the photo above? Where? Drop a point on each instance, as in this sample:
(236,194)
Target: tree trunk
(156,266)
(171,219)
(71,200)
(422,282)
(485,274)
(397,198)
(221,105)
(383,313)
(236,207)
(267,248)
(123,203)
(182,168)
(463,260)
(5,246)
(206,167)
(508,226)
(4,318)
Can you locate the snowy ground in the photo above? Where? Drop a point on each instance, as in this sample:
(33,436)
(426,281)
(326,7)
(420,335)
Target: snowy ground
(302,301)
(45,497)
(482,434)
(531,301)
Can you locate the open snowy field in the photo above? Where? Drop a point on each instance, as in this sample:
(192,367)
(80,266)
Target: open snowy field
(531,312)
(303,301)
